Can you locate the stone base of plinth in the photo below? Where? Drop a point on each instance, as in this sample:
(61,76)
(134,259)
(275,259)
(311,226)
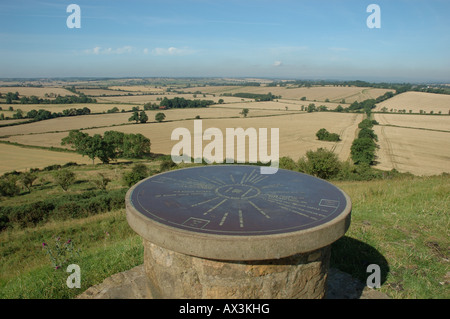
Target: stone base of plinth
(176,275)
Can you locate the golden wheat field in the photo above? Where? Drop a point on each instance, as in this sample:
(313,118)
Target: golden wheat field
(142,99)
(99,92)
(110,120)
(20,158)
(282,104)
(416,101)
(420,152)
(138,88)
(431,122)
(296,132)
(332,93)
(408,142)
(36,91)
(56,108)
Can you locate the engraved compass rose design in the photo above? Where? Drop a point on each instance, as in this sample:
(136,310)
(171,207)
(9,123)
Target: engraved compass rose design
(237,200)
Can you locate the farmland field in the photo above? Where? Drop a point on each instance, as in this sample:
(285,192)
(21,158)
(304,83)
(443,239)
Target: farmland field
(430,122)
(332,93)
(142,99)
(112,119)
(296,135)
(421,152)
(407,142)
(55,108)
(36,91)
(416,101)
(20,158)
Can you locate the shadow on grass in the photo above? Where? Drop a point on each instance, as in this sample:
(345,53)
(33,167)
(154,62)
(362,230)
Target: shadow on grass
(353,256)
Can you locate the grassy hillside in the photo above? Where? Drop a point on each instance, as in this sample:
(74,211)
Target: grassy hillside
(401,224)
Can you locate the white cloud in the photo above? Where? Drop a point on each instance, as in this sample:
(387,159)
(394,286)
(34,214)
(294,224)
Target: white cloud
(171,51)
(277,63)
(100,50)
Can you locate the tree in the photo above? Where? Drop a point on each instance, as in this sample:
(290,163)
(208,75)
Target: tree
(159,117)
(244,112)
(135,146)
(115,140)
(134,117)
(101,149)
(311,108)
(64,178)
(221,101)
(82,143)
(143,118)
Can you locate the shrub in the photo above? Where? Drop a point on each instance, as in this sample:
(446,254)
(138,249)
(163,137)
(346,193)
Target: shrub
(288,163)
(67,210)
(137,173)
(101,182)
(8,185)
(64,178)
(324,135)
(166,165)
(28,179)
(52,167)
(321,163)
(30,214)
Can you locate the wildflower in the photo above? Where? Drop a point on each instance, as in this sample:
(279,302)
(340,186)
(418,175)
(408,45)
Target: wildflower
(44,244)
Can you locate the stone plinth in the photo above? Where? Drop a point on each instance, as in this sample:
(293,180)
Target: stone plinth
(175,275)
(229,232)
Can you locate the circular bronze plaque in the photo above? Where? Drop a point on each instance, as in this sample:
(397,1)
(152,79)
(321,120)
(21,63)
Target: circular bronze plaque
(236,200)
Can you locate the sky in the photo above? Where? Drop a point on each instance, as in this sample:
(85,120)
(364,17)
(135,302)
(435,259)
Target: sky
(291,39)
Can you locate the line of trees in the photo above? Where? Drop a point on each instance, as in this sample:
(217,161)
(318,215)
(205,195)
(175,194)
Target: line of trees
(257,97)
(363,148)
(111,146)
(181,103)
(69,99)
(40,115)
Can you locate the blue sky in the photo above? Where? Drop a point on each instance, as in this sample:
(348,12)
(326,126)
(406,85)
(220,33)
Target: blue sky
(303,39)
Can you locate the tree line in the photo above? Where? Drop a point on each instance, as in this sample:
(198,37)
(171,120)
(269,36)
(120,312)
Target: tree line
(363,148)
(69,99)
(40,115)
(181,103)
(257,97)
(111,146)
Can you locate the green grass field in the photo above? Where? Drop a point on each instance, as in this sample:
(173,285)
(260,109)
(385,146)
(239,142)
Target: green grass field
(401,224)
